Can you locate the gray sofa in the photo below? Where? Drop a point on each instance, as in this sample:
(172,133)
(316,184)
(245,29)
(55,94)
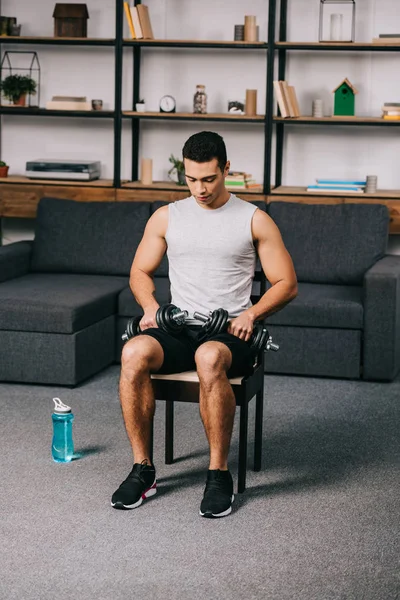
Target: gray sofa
(65,299)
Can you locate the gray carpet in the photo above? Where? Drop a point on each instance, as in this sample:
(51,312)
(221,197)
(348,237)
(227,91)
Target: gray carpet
(319,522)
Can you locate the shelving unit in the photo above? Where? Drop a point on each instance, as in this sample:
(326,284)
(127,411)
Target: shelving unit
(300,194)
(19,194)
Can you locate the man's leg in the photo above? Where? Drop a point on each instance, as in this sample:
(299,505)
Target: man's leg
(217,409)
(217,400)
(140,356)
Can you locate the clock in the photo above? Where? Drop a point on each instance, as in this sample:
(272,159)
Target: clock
(167,104)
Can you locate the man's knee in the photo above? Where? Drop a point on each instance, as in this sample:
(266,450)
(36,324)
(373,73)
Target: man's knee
(142,353)
(213,357)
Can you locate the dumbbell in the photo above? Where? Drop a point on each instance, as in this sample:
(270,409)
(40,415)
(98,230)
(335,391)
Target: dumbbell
(217,322)
(169,318)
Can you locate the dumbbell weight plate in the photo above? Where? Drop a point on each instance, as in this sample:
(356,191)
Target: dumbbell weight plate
(132,327)
(259,338)
(165,321)
(217,323)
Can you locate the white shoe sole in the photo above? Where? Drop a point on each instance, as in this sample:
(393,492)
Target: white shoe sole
(147,494)
(225,513)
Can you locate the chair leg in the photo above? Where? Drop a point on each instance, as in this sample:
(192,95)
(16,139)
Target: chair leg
(258,430)
(152,441)
(242,447)
(169,432)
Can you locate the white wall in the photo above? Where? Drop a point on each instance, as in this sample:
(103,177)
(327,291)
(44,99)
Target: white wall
(310,152)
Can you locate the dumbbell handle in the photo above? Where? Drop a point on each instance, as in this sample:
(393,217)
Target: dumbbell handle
(201,316)
(271,346)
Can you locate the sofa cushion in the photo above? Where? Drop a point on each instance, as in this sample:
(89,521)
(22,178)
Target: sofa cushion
(127,305)
(332,243)
(57,303)
(320,305)
(87,237)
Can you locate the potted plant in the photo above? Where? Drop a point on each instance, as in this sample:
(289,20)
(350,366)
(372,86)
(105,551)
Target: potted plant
(179,168)
(16,87)
(3,169)
(141,106)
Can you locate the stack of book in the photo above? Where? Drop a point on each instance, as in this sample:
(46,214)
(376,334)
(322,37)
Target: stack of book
(286,99)
(387,38)
(391,111)
(139,21)
(238,180)
(335,186)
(68,103)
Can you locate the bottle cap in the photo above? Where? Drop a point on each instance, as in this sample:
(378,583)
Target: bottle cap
(202,87)
(60,407)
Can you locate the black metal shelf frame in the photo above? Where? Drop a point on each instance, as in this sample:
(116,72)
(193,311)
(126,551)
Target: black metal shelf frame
(282,50)
(32,41)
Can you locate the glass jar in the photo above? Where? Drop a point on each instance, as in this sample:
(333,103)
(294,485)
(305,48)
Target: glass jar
(200,100)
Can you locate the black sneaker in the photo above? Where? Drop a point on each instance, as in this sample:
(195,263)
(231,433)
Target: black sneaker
(218,495)
(138,486)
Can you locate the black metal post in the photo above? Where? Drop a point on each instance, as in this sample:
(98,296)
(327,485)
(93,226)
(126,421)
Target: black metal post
(268,126)
(280,131)
(169,432)
(119,13)
(135,122)
(242,466)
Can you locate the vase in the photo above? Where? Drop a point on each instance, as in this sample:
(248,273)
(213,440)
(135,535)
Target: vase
(21,101)
(181,178)
(4,171)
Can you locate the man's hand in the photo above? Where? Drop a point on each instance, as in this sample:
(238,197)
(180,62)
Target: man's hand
(242,326)
(149,319)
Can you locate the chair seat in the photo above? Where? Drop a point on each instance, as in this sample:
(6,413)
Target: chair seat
(190,376)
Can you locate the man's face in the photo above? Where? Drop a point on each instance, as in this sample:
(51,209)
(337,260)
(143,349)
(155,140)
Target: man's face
(206,181)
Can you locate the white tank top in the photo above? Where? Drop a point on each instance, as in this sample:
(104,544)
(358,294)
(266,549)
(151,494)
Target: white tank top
(211,256)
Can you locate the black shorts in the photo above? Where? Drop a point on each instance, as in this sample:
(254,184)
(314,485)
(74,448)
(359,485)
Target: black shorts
(179,350)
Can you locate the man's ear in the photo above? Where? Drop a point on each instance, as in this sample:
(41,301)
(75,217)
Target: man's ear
(227,167)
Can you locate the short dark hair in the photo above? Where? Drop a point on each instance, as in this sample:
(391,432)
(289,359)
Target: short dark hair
(204,146)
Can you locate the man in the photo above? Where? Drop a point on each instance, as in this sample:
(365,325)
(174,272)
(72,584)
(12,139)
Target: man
(211,240)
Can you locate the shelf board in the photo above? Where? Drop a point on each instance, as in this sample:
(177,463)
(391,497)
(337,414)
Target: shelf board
(21,179)
(193,117)
(43,112)
(172,186)
(336,121)
(284,190)
(57,41)
(338,46)
(197,44)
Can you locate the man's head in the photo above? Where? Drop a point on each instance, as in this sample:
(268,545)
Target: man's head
(206,165)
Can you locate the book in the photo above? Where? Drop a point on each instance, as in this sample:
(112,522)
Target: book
(295,103)
(145,23)
(391,117)
(387,40)
(288,99)
(389,35)
(129,19)
(392,112)
(279,98)
(60,105)
(334,190)
(69,98)
(136,23)
(386,104)
(341,182)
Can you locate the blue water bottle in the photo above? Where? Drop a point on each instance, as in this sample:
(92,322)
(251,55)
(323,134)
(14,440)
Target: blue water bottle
(62,448)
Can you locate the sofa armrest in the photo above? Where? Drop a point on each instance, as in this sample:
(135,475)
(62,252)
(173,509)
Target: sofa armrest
(381,347)
(15,259)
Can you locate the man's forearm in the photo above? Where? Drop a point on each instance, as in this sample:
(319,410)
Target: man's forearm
(273,300)
(142,286)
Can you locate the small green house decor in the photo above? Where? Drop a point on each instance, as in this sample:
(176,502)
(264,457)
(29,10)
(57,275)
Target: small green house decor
(70,20)
(344,103)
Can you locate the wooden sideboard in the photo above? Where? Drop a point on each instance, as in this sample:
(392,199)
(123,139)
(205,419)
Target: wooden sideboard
(20,196)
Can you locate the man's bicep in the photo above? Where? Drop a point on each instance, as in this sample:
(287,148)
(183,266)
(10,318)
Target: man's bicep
(150,251)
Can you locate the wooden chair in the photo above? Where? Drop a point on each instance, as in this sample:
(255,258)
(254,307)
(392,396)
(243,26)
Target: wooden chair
(184,387)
